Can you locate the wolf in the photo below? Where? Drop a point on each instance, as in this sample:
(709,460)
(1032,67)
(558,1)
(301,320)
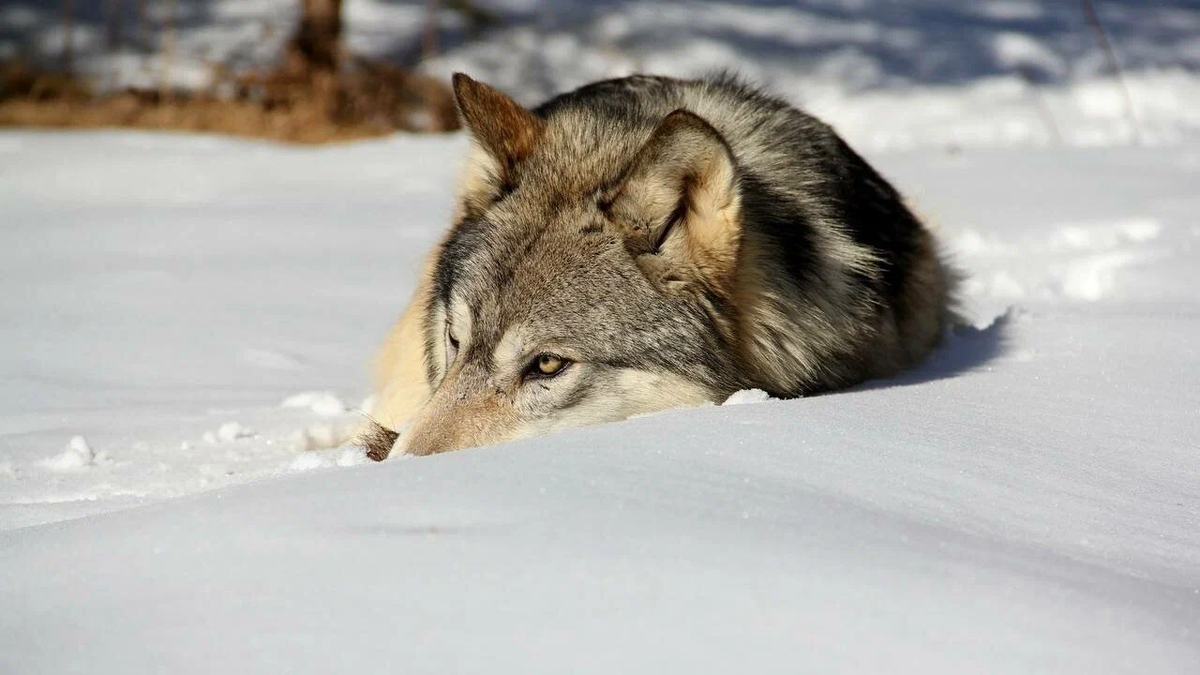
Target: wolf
(646,243)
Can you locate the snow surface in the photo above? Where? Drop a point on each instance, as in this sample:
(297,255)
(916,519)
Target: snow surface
(191,313)
(185,303)
(187,323)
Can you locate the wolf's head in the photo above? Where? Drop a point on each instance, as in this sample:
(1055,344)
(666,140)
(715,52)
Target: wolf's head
(590,275)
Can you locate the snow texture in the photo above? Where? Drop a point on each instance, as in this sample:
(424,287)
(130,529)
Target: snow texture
(748,396)
(1024,502)
(77,456)
(187,318)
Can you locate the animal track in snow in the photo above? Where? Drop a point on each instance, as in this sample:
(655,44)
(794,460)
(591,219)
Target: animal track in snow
(1091,237)
(1078,260)
(1108,248)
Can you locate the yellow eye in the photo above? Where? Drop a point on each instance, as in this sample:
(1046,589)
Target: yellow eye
(547,365)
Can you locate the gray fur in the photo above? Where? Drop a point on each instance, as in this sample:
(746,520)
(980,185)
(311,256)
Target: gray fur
(836,281)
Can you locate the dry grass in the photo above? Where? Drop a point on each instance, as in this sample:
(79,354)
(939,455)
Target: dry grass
(290,104)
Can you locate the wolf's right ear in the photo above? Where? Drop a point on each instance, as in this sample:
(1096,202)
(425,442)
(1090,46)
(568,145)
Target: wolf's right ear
(680,203)
(504,129)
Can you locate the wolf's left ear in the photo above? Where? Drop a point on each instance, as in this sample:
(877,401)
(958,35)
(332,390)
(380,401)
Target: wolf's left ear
(680,202)
(507,131)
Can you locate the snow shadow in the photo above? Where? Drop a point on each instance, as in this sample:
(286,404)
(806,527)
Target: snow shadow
(34,30)
(541,47)
(547,47)
(965,349)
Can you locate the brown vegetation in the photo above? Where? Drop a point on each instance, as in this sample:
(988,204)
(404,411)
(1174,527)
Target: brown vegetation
(373,100)
(317,94)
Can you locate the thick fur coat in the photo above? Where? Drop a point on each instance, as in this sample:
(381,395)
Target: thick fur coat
(646,243)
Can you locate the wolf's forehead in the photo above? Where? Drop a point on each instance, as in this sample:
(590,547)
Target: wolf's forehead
(515,267)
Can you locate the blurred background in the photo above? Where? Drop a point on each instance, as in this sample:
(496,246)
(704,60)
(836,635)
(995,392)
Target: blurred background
(888,73)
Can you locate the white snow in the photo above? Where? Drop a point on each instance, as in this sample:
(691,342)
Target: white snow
(310,461)
(77,456)
(322,403)
(1025,502)
(232,431)
(748,396)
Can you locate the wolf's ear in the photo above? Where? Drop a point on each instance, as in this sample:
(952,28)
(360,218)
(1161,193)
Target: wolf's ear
(505,130)
(680,204)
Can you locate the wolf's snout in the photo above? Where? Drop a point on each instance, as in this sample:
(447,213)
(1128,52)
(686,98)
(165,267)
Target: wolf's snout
(432,432)
(424,442)
(453,420)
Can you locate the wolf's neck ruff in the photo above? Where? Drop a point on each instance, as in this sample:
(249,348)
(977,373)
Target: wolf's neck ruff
(646,243)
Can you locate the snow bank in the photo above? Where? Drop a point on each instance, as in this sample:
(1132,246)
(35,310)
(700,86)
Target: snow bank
(958,526)
(1024,502)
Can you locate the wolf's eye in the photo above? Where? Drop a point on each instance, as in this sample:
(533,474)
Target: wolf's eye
(546,365)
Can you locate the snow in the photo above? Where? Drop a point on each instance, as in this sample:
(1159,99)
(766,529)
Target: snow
(188,322)
(748,396)
(1024,502)
(77,456)
(322,403)
(165,294)
(904,528)
(232,431)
